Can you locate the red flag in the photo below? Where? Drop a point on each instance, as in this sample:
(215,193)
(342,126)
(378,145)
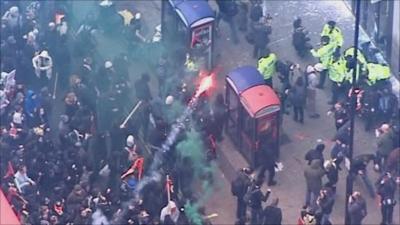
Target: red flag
(137,165)
(10,171)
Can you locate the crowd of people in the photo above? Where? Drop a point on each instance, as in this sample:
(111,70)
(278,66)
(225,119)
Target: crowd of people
(85,165)
(67,157)
(375,104)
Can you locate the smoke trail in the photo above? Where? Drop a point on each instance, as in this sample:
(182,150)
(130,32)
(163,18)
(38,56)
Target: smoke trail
(154,174)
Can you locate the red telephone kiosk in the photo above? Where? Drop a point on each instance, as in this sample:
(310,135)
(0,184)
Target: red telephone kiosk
(253,113)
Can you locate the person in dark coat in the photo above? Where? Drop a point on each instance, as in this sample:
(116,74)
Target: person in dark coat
(104,78)
(228,9)
(386,188)
(342,135)
(357,208)
(300,39)
(341,115)
(256,199)
(316,153)
(313,175)
(384,144)
(256,11)
(259,34)
(219,117)
(239,188)
(142,88)
(297,96)
(272,214)
(359,167)
(267,160)
(325,202)
(393,162)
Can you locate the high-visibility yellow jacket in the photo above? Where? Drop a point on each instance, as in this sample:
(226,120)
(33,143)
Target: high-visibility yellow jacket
(349,73)
(266,66)
(337,70)
(377,72)
(324,54)
(191,66)
(360,56)
(335,35)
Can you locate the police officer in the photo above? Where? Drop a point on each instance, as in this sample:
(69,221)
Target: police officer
(239,188)
(335,35)
(386,187)
(267,67)
(336,73)
(361,64)
(377,74)
(324,54)
(349,53)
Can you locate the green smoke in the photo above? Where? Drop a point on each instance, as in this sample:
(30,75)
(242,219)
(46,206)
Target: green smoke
(192,213)
(193,148)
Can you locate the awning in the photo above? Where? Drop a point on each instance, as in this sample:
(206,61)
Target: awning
(7,215)
(193,13)
(260,100)
(244,78)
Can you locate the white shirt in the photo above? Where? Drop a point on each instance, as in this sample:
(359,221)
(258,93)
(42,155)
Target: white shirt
(312,81)
(21,180)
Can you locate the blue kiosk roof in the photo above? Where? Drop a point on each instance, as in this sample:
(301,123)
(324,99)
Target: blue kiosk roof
(193,13)
(244,77)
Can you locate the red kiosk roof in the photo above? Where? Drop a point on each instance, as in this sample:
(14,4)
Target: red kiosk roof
(7,215)
(260,100)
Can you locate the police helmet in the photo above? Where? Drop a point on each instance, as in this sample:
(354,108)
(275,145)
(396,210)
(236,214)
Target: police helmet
(332,23)
(325,39)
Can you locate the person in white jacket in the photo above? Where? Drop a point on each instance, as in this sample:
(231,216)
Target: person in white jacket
(170,210)
(43,64)
(21,179)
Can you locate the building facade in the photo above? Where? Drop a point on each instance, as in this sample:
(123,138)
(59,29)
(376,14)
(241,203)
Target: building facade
(380,20)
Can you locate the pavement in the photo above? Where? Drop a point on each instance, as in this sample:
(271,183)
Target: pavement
(291,184)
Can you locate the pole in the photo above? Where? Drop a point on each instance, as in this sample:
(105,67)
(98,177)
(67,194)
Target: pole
(55,86)
(353,95)
(130,114)
(168,188)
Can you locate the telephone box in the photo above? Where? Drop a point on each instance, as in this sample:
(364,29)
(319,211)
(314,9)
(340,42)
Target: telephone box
(190,23)
(253,114)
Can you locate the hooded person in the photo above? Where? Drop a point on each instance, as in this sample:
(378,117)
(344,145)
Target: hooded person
(31,104)
(104,78)
(316,153)
(43,64)
(312,83)
(239,187)
(313,175)
(172,110)
(171,211)
(131,148)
